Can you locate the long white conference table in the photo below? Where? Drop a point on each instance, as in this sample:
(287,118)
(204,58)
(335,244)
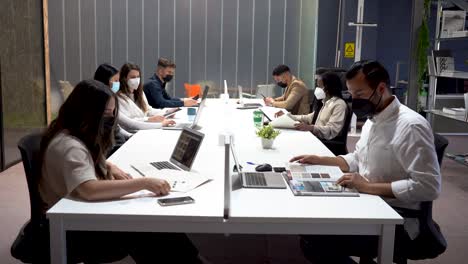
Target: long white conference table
(252,211)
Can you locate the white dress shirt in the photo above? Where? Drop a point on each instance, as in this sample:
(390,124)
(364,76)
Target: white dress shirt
(397,147)
(132,118)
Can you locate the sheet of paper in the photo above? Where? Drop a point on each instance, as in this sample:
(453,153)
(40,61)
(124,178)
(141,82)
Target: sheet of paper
(283,121)
(180,181)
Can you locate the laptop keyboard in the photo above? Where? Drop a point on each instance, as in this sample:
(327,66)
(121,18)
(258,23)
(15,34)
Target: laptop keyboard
(164,165)
(256,179)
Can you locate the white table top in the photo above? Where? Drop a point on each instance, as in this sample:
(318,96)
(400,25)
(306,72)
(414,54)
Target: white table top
(247,205)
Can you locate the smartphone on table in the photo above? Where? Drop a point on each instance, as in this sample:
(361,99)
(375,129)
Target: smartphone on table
(175,201)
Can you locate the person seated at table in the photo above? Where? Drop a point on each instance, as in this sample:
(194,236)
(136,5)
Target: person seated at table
(332,115)
(395,158)
(134,112)
(73,166)
(296,97)
(155,88)
(109,75)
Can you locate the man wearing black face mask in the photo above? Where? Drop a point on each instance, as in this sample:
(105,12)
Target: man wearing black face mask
(296,97)
(395,158)
(155,88)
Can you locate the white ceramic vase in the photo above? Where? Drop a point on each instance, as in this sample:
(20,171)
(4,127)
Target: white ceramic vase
(267,143)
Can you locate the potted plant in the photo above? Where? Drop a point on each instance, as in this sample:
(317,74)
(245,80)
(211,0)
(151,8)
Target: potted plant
(268,135)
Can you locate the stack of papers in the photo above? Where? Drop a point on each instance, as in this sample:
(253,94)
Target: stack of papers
(460,111)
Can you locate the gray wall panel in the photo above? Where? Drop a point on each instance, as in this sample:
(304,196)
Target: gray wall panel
(182,45)
(228,65)
(150,37)
(119,34)
(292,35)
(276,34)
(210,40)
(260,67)
(57,72)
(244,67)
(103,32)
(213,39)
(135,34)
(197,52)
(72,39)
(88,39)
(166,28)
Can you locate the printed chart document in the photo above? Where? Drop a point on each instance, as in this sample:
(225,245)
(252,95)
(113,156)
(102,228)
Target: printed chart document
(179,180)
(316,180)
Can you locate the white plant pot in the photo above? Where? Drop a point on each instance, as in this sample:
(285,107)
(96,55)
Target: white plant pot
(267,143)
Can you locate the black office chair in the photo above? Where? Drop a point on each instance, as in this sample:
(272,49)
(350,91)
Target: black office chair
(338,145)
(30,245)
(431,242)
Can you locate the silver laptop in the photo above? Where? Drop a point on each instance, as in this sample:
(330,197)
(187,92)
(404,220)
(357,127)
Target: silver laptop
(259,180)
(194,124)
(184,152)
(246,105)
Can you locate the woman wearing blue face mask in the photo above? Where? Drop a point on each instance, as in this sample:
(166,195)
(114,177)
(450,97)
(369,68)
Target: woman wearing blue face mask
(332,115)
(109,75)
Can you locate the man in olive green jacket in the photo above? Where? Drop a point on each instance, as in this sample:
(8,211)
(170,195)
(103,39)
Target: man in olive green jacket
(296,97)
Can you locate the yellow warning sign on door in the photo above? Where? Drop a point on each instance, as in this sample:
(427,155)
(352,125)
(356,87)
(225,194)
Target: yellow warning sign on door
(349,50)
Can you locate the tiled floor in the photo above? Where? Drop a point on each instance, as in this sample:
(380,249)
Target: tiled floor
(450,211)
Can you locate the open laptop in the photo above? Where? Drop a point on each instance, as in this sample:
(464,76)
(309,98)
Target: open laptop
(192,125)
(259,180)
(184,152)
(246,105)
(204,95)
(316,180)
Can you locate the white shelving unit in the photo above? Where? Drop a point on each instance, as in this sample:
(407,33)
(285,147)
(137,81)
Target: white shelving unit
(433,74)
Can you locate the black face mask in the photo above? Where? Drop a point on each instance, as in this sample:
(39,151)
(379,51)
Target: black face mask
(168,78)
(364,108)
(282,84)
(107,125)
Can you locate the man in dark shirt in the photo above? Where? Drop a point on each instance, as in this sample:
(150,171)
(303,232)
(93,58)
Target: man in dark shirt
(155,88)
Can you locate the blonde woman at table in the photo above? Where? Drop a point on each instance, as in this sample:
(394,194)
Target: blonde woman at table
(135,113)
(72,153)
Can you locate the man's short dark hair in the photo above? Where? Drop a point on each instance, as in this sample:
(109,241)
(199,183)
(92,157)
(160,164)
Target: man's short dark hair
(373,71)
(164,63)
(280,69)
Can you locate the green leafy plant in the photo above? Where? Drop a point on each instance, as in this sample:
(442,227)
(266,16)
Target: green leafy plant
(267,132)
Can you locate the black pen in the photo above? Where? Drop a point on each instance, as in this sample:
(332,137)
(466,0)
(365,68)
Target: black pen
(137,170)
(263,95)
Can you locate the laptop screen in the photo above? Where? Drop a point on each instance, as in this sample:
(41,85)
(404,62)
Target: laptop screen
(187,148)
(205,92)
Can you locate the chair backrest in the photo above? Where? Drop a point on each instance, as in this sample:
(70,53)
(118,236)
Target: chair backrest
(440,144)
(66,88)
(343,135)
(29,147)
(192,90)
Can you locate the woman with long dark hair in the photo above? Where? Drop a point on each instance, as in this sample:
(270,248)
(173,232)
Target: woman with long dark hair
(135,113)
(109,75)
(72,152)
(332,115)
